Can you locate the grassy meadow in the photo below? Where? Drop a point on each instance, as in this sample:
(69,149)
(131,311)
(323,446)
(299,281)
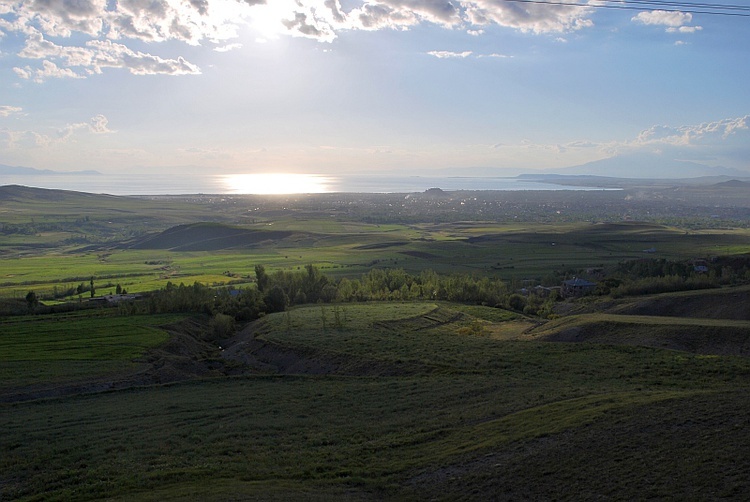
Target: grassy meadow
(479,249)
(395,403)
(74,348)
(632,397)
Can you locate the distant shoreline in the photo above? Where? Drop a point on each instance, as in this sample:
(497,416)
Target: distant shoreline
(157,184)
(127,184)
(30,171)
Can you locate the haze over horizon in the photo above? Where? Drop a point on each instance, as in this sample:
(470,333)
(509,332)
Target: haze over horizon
(351,86)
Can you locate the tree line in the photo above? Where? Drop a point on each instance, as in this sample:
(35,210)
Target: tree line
(277,291)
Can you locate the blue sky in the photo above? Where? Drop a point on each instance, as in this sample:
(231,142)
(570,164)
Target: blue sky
(336,86)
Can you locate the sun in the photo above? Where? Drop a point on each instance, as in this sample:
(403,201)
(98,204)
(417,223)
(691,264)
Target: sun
(276,183)
(266,18)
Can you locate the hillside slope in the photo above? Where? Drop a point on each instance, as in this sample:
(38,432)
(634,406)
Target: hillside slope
(732,303)
(210,237)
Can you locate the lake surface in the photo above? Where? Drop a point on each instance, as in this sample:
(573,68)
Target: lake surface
(169,184)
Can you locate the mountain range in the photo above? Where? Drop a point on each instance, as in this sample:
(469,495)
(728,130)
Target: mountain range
(30,171)
(635,165)
(649,166)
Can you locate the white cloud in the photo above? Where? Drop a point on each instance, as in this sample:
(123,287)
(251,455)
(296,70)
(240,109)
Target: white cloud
(434,11)
(104,21)
(193,21)
(663,18)
(529,17)
(465,54)
(676,22)
(706,133)
(63,17)
(722,142)
(10,139)
(96,54)
(307,24)
(449,54)
(98,125)
(494,55)
(7,110)
(23,73)
(684,29)
(47,71)
(189,21)
(101,32)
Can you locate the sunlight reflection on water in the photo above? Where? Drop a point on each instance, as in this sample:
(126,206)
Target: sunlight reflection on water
(276,183)
(177,184)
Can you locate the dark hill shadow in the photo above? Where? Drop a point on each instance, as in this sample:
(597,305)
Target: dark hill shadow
(211,237)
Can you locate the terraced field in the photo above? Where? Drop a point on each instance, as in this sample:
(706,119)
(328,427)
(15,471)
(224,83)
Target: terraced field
(389,401)
(714,322)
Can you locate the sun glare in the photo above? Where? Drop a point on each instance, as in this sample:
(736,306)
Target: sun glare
(276,183)
(267,18)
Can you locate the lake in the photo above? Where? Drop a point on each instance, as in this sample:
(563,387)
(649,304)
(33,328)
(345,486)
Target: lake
(171,184)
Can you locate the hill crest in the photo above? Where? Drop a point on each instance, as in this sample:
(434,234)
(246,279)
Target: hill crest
(206,236)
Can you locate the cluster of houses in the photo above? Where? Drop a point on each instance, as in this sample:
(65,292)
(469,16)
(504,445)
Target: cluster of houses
(114,299)
(577,287)
(572,288)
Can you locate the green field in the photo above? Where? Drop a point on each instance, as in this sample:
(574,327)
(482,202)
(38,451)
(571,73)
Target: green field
(494,251)
(379,408)
(42,352)
(626,397)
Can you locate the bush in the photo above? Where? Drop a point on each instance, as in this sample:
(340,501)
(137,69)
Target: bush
(221,326)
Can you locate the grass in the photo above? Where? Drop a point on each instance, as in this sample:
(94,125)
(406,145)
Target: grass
(702,336)
(349,250)
(464,399)
(60,348)
(414,401)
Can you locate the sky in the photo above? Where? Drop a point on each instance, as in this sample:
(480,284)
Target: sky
(366,86)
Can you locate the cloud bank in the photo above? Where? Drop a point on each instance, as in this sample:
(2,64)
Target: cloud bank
(25,139)
(722,141)
(79,38)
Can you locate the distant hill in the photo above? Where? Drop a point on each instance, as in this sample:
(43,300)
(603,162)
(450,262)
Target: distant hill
(212,237)
(30,171)
(648,166)
(20,193)
(732,184)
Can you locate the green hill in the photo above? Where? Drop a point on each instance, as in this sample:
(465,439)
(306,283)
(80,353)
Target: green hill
(728,303)
(211,237)
(25,194)
(387,401)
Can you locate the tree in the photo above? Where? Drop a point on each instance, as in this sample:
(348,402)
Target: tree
(276,300)
(92,287)
(517,302)
(31,300)
(221,326)
(261,277)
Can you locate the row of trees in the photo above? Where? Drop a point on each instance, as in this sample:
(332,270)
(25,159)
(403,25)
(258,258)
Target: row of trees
(642,277)
(311,286)
(277,291)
